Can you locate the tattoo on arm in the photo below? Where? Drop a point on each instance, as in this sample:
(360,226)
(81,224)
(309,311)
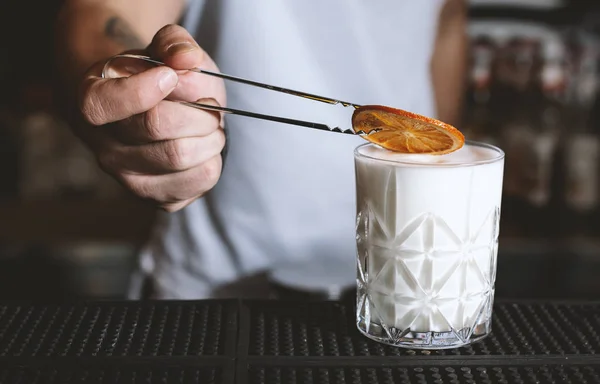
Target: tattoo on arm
(118,30)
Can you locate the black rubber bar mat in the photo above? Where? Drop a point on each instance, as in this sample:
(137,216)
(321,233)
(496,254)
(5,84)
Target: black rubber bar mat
(329,329)
(437,375)
(282,342)
(111,375)
(119,329)
(122,342)
(319,343)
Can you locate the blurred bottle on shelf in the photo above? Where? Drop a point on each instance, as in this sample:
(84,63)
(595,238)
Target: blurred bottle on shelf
(539,100)
(532,77)
(581,156)
(551,116)
(479,121)
(523,136)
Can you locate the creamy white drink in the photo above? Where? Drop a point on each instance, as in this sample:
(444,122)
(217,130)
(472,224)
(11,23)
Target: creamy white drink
(427,237)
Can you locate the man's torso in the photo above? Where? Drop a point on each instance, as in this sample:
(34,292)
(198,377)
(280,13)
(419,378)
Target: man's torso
(285,202)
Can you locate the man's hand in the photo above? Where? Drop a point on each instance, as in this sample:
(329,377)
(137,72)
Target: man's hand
(160,150)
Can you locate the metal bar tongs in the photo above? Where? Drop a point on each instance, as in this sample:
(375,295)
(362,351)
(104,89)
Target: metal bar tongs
(278,119)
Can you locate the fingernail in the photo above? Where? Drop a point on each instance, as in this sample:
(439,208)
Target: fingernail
(167,81)
(209,101)
(178,48)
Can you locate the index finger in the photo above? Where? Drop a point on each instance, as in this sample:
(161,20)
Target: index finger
(174,46)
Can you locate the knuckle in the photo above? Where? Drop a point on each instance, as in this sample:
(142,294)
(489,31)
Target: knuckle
(211,171)
(106,162)
(90,107)
(178,154)
(220,139)
(151,124)
(137,187)
(172,208)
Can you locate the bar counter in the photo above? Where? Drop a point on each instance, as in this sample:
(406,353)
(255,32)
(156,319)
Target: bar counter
(268,342)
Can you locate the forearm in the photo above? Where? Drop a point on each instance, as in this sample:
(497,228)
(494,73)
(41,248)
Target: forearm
(449,61)
(88,31)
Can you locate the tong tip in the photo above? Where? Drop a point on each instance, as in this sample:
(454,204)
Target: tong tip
(353,132)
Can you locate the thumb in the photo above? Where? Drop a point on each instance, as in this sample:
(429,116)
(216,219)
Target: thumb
(104,101)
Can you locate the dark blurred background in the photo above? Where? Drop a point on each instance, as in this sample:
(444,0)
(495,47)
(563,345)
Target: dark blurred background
(67,230)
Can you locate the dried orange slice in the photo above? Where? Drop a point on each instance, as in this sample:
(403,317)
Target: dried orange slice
(407,132)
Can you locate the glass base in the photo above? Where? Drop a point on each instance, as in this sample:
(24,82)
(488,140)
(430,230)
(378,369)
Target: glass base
(424,340)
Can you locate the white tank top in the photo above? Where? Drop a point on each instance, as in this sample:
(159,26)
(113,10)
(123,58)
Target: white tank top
(285,203)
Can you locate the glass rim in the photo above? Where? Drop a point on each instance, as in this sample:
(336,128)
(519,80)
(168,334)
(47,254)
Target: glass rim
(500,156)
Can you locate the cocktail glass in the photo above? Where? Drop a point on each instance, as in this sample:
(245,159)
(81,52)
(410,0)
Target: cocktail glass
(427,238)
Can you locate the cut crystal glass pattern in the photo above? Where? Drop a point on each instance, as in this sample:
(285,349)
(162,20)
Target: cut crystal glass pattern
(425,285)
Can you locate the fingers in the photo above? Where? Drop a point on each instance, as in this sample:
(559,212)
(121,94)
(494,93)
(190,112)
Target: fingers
(157,148)
(175,191)
(163,157)
(174,46)
(104,101)
(193,86)
(167,121)
(121,96)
